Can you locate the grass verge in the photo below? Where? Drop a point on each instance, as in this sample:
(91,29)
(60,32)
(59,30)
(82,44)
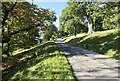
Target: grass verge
(103,42)
(48,63)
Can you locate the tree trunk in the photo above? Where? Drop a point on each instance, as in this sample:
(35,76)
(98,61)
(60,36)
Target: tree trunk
(90,26)
(74,30)
(7,52)
(8,49)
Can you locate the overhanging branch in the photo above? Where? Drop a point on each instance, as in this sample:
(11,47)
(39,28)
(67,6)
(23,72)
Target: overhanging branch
(6,14)
(18,31)
(24,29)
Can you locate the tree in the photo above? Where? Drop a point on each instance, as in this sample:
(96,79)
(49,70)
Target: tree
(111,15)
(98,15)
(69,22)
(51,32)
(5,17)
(22,21)
(85,10)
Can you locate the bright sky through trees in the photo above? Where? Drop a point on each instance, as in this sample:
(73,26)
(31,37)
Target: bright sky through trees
(54,6)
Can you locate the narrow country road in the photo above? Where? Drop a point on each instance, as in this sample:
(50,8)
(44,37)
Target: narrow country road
(90,65)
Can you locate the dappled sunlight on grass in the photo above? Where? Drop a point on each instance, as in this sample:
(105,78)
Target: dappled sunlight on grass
(49,63)
(23,50)
(104,42)
(0,44)
(73,37)
(111,52)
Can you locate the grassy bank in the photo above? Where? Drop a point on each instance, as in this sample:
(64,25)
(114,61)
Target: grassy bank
(103,42)
(49,62)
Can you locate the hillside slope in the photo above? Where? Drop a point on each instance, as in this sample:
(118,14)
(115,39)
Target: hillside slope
(103,42)
(48,63)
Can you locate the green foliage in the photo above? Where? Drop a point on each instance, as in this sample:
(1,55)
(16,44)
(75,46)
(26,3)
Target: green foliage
(111,15)
(76,14)
(105,42)
(71,23)
(62,34)
(98,24)
(49,63)
(73,16)
(108,16)
(50,33)
(21,27)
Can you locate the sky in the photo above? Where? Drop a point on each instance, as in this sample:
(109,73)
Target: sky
(54,6)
